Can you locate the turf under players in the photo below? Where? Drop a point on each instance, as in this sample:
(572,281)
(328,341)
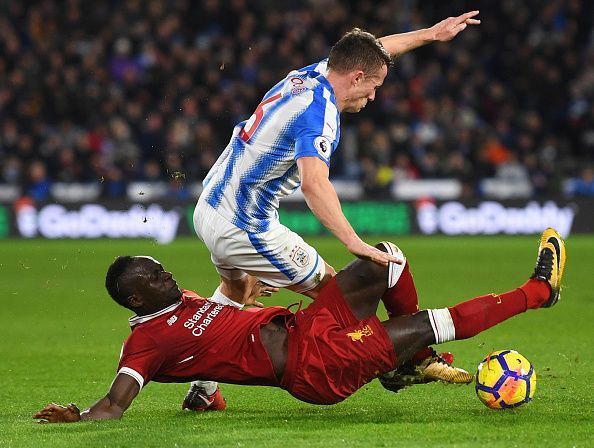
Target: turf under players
(320,355)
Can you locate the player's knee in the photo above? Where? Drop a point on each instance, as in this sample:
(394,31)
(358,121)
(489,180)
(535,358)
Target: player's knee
(391,248)
(365,272)
(395,271)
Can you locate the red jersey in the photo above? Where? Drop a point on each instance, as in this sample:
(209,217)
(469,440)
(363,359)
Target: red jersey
(196,338)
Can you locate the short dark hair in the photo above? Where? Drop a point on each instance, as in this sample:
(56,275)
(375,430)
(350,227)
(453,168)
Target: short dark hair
(358,50)
(113,283)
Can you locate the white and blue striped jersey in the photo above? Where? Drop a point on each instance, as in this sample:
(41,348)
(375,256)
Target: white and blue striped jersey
(298,117)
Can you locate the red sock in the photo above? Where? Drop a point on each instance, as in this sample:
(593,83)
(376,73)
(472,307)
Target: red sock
(402,298)
(537,292)
(478,314)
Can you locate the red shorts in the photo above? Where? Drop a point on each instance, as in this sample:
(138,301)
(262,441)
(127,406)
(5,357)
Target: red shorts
(331,353)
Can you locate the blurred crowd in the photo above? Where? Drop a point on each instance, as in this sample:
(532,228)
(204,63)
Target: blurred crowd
(111,92)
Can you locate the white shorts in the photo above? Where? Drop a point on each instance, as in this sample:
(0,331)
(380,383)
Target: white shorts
(278,257)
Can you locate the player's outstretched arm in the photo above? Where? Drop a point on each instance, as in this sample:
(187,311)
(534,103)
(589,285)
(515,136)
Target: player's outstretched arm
(323,201)
(121,394)
(447,29)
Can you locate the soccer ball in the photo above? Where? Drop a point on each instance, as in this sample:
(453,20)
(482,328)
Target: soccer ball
(505,379)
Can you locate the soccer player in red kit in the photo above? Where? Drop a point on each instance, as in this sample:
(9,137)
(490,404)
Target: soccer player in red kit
(320,355)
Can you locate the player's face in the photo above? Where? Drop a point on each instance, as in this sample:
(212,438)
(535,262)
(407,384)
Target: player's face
(155,286)
(363,89)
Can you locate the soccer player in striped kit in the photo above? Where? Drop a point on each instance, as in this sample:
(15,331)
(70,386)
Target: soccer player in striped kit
(287,143)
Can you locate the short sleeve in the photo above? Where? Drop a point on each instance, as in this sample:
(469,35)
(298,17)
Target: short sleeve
(141,358)
(316,128)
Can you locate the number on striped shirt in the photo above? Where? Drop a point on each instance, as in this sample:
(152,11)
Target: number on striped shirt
(252,124)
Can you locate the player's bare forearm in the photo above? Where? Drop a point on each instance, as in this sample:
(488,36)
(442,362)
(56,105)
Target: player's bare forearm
(103,409)
(57,413)
(447,29)
(323,201)
(398,44)
(123,390)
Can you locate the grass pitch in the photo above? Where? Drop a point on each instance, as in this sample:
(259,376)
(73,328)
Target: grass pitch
(60,338)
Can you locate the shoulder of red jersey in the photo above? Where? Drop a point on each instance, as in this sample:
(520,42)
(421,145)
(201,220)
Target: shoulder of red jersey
(192,295)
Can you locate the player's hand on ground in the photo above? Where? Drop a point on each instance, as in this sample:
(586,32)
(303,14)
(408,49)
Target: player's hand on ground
(56,413)
(366,252)
(259,290)
(448,28)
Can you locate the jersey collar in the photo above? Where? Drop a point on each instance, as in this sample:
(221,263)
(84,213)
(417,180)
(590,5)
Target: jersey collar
(324,81)
(135,320)
(322,70)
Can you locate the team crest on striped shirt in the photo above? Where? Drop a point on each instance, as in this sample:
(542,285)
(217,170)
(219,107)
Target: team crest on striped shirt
(300,256)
